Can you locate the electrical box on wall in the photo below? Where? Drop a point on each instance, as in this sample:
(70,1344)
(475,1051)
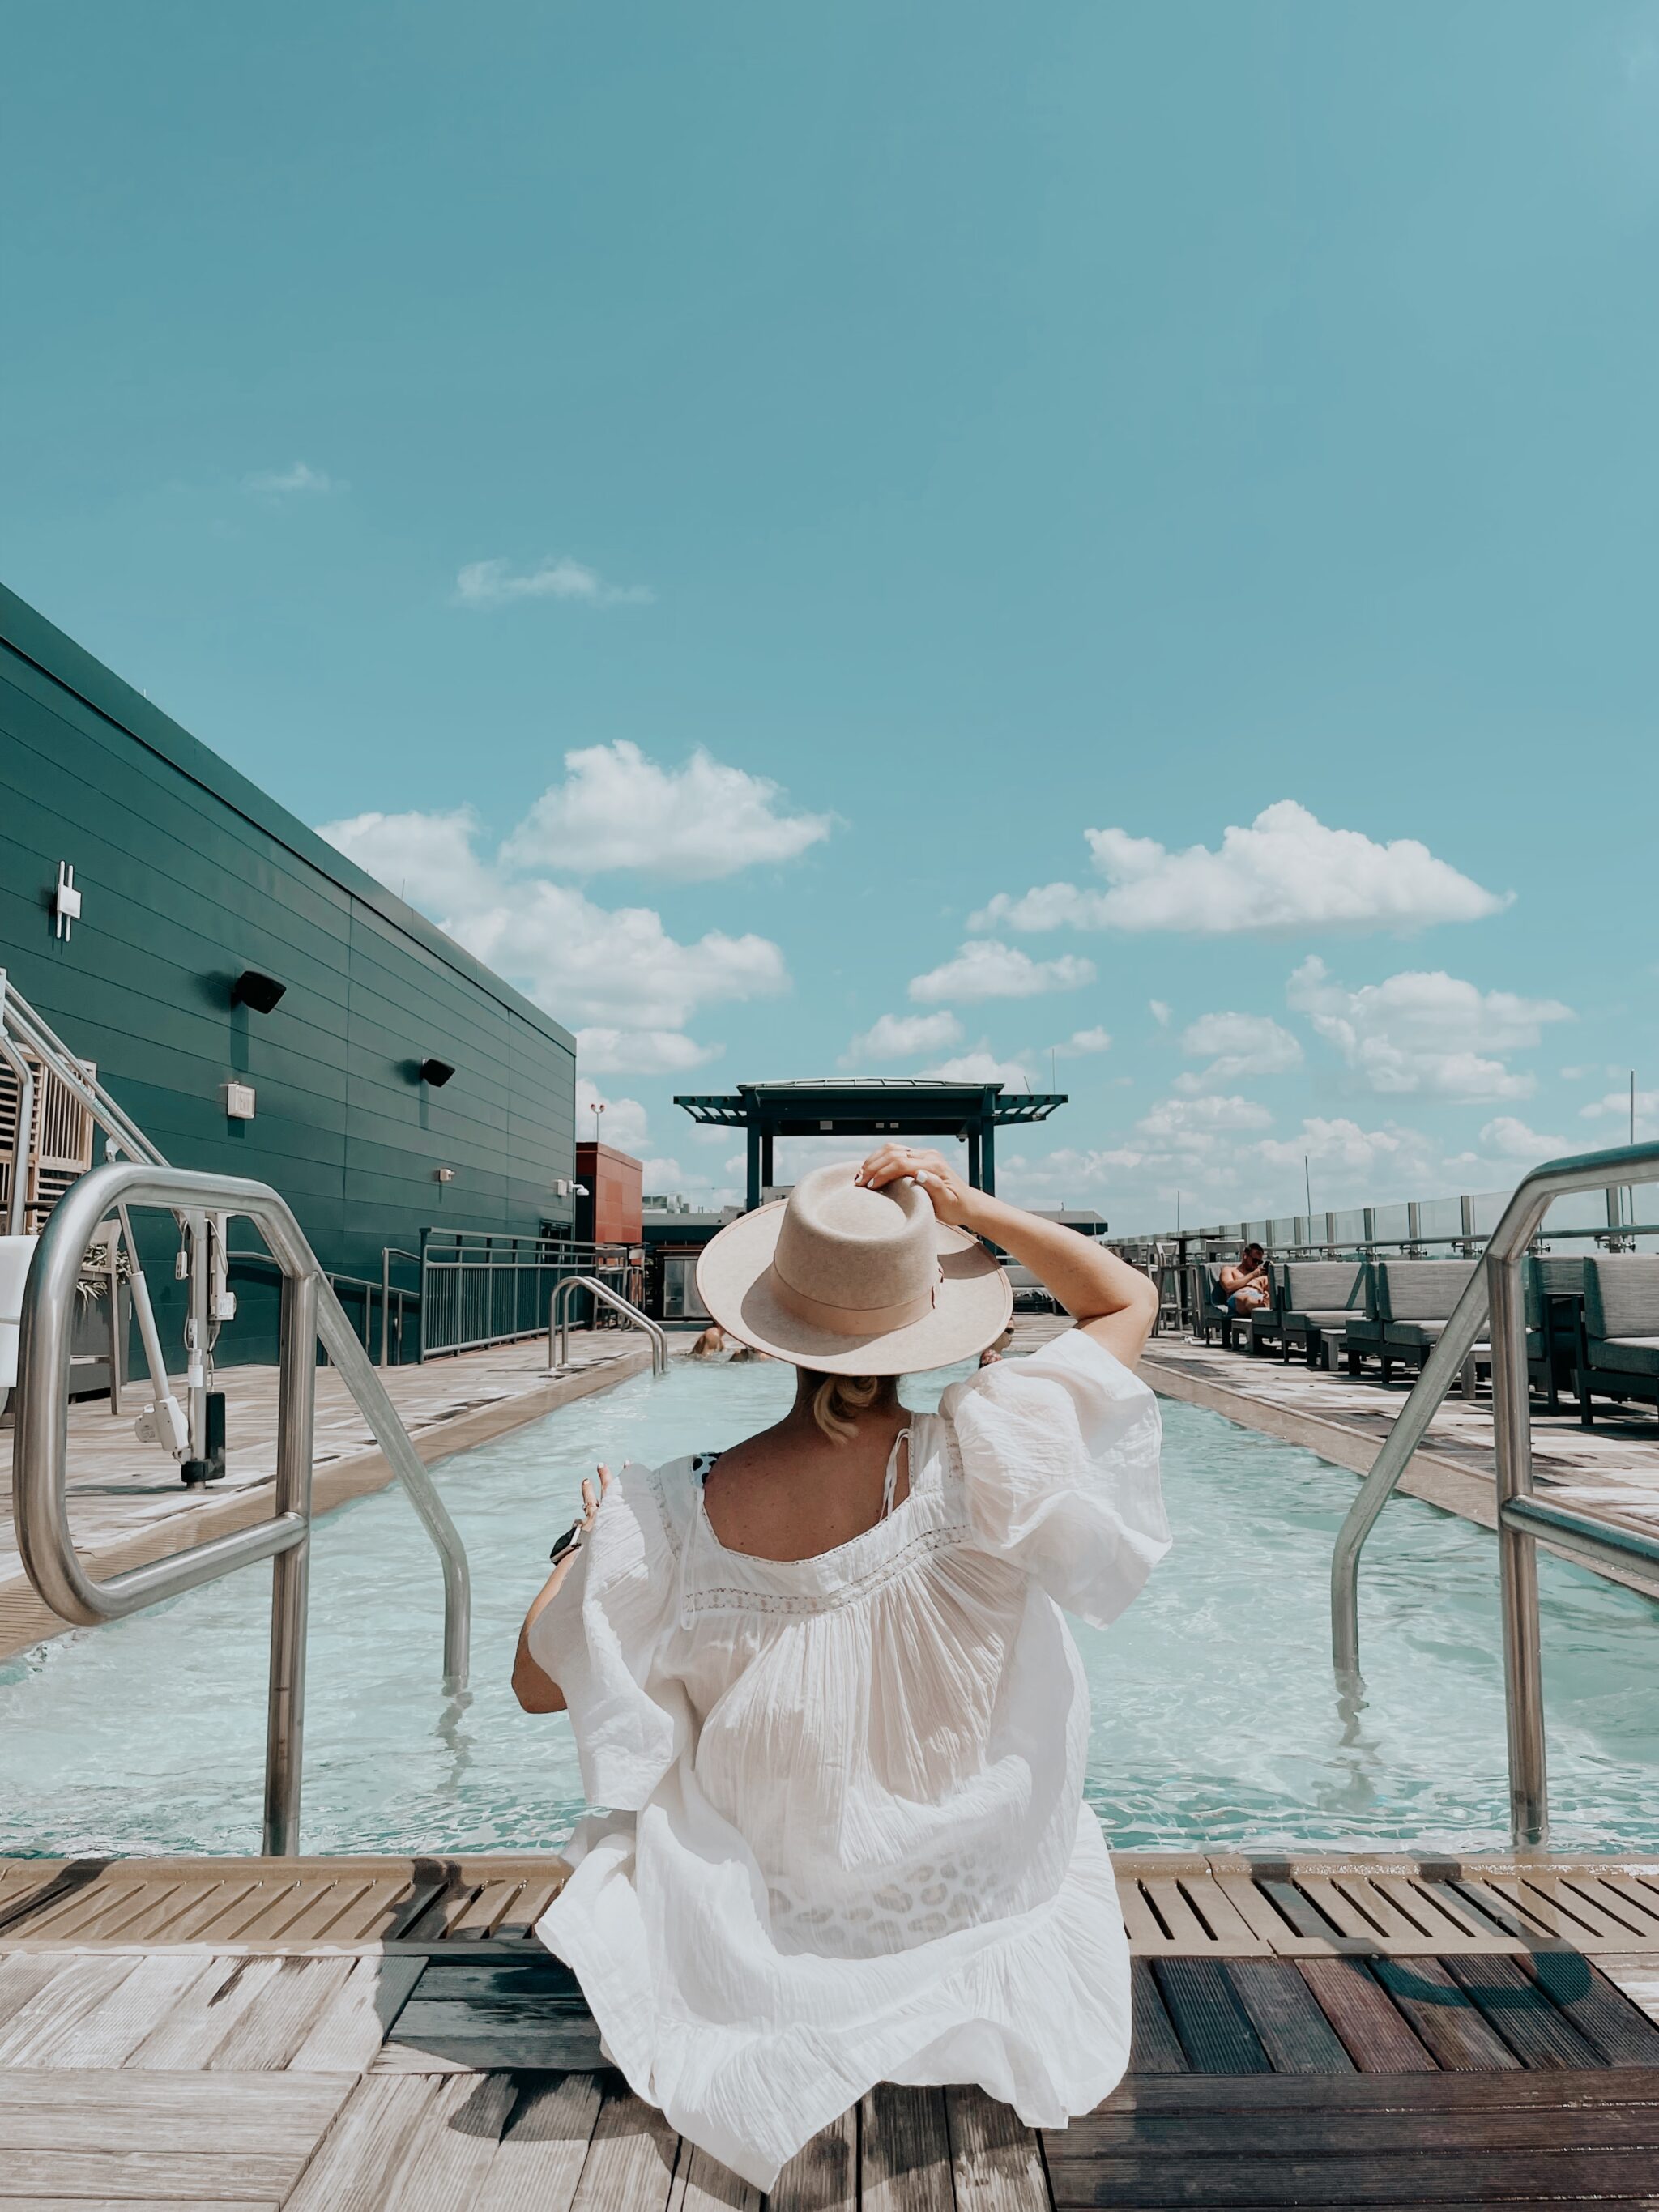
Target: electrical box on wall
(238,1102)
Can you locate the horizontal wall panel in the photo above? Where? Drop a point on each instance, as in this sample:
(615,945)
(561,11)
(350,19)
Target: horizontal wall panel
(188,875)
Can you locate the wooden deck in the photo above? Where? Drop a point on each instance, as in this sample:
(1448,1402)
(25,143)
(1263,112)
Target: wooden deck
(385,2035)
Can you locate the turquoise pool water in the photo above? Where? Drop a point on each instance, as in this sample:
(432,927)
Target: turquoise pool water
(1216,1722)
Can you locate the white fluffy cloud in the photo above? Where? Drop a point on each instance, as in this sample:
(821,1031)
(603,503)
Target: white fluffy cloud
(1237,1045)
(903,1036)
(614,971)
(1159,1010)
(496,584)
(981,1066)
(1084,1041)
(1616,1107)
(606,1051)
(284,484)
(1426,1031)
(986,970)
(1508,1139)
(622,1121)
(617,808)
(1286,872)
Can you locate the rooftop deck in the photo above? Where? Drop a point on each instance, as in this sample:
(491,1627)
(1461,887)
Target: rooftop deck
(386,2033)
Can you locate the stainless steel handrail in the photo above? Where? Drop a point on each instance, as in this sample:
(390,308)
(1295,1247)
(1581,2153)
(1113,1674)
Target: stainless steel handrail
(558,1317)
(1494,1298)
(310,1311)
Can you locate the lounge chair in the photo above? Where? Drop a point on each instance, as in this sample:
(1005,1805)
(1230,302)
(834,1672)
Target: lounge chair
(1619,1333)
(1210,1308)
(1408,1304)
(1314,1303)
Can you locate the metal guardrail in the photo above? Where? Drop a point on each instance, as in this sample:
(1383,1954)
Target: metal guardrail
(558,1318)
(1494,1299)
(310,1310)
(478,1288)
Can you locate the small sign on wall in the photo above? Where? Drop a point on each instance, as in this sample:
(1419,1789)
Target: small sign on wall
(238,1102)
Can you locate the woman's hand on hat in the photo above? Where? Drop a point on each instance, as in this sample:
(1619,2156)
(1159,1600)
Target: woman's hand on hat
(949,1193)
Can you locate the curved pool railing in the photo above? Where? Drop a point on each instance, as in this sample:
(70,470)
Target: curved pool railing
(310,1311)
(558,1321)
(1494,1298)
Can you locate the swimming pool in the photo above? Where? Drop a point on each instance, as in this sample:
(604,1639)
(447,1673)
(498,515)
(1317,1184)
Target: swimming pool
(1216,1722)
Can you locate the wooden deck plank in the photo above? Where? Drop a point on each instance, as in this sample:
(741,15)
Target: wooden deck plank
(1218,1911)
(492,2032)
(1380,2093)
(1370,2027)
(1268,2134)
(1444,2016)
(1156,2047)
(1186,1932)
(1623,1904)
(1287,2017)
(1446,1922)
(109,2110)
(205,2015)
(630,2160)
(539,2159)
(39,2029)
(1617,2030)
(176,2177)
(1407,2176)
(529,1906)
(824,2175)
(454,2144)
(127,2204)
(271,2032)
(1521,2011)
(21,1973)
(361,2157)
(1636,1975)
(348,2032)
(1141,1924)
(107,2035)
(996,2160)
(1214,2028)
(702,2184)
(904,2151)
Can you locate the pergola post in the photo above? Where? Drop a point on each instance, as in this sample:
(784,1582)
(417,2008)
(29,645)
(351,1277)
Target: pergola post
(754,1136)
(987,1156)
(767,1174)
(973,1156)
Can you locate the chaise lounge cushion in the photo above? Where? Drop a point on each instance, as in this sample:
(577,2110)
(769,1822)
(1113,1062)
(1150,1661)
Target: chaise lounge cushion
(1627,1355)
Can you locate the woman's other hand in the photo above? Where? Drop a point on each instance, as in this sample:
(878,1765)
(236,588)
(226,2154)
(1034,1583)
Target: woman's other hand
(947,1187)
(591,1505)
(535,1690)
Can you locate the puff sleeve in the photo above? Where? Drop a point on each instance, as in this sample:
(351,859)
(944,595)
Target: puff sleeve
(599,1638)
(1060,1459)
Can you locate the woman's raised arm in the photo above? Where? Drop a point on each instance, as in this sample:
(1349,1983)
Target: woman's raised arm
(1113,1300)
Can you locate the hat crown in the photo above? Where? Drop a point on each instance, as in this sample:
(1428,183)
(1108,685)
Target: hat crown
(844,1245)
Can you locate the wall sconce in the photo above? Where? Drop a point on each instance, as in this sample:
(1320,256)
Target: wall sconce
(437,1072)
(443,1175)
(262,993)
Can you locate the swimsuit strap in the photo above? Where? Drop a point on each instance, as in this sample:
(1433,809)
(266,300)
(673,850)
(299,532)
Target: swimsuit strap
(889,1488)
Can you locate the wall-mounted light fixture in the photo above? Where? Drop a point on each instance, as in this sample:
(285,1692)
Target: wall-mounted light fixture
(65,900)
(443,1175)
(437,1072)
(262,993)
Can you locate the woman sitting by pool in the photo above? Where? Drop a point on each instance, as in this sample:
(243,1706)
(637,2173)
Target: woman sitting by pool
(823,1680)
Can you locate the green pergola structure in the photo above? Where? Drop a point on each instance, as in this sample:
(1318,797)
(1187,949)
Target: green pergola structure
(876,1106)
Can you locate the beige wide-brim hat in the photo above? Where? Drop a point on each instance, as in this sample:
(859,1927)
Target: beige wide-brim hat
(854,1281)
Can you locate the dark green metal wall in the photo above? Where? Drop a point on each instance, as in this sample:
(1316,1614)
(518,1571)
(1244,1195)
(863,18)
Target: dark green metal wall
(190,874)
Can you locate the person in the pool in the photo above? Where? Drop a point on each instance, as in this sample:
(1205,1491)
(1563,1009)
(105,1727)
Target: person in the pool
(822,1680)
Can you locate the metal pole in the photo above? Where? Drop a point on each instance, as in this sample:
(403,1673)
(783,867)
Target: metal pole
(290,1570)
(17,1198)
(385,1300)
(1518,1557)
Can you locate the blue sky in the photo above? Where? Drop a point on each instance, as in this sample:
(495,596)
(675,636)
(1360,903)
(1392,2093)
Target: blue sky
(885,446)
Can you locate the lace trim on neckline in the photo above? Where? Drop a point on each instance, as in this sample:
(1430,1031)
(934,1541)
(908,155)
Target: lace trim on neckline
(736,1599)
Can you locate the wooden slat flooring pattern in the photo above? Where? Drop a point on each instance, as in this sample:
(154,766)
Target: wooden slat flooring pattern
(1175,1905)
(456,2071)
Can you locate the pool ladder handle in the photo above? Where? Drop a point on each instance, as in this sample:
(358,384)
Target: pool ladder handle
(1494,1298)
(558,1321)
(310,1311)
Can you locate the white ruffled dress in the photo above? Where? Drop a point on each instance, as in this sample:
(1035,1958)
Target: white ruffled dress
(848,1842)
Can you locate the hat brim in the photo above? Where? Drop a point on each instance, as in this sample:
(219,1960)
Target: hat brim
(734,1280)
